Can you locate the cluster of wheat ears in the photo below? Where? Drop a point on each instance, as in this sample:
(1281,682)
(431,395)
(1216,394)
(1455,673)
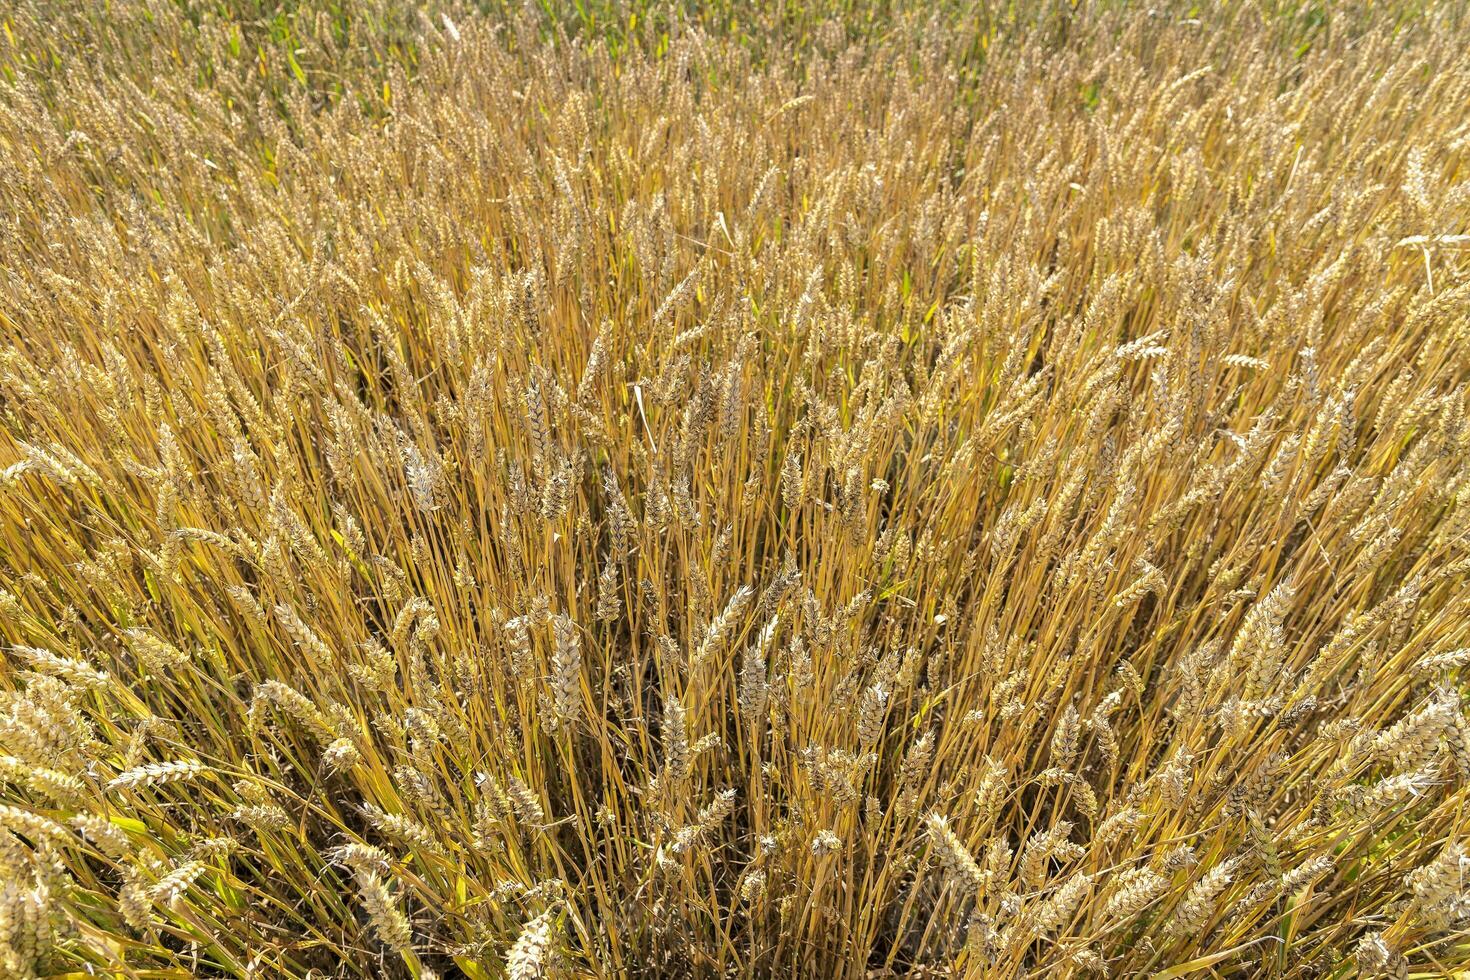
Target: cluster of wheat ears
(881,491)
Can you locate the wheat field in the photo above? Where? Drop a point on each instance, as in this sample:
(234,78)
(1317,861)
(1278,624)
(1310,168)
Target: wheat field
(843,490)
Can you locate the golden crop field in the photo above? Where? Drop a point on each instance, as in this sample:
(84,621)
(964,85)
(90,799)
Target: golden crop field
(834,490)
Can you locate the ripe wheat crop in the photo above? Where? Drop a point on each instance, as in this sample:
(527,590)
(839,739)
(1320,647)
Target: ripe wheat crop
(626,490)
